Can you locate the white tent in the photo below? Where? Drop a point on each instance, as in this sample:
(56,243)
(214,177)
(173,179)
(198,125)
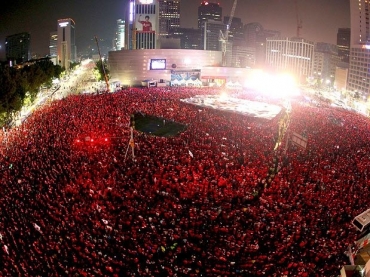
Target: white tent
(175,82)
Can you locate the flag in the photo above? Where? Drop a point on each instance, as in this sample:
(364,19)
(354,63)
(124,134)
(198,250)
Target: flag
(6,249)
(191,154)
(37,227)
(350,255)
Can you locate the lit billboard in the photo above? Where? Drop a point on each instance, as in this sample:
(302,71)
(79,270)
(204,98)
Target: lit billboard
(157,64)
(145,23)
(146,16)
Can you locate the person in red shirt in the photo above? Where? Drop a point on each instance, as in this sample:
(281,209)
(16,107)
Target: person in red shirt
(147,25)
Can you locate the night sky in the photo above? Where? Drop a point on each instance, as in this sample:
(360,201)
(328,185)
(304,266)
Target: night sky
(321,18)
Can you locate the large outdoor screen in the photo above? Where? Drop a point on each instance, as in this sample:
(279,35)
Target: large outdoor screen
(156,64)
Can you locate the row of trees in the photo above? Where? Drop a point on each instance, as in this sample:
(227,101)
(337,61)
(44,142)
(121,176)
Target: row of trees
(20,85)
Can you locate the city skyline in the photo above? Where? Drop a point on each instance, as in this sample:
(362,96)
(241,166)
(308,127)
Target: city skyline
(321,18)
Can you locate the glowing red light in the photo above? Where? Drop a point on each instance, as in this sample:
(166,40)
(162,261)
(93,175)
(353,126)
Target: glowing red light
(92,140)
(105,139)
(77,140)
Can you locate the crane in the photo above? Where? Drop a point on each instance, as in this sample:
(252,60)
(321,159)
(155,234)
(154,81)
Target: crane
(299,20)
(224,37)
(102,65)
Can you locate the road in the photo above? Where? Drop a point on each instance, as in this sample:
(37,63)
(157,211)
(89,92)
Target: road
(78,81)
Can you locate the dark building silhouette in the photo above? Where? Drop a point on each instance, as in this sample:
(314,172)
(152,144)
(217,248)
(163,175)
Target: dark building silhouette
(255,38)
(209,11)
(236,31)
(190,38)
(344,43)
(210,23)
(17,47)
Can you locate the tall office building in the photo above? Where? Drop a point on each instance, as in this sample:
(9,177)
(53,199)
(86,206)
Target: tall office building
(293,55)
(53,44)
(209,11)
(359,77)
(236,31)
(169,16)
(253,34)
(255,38)
(190,38)
(17,47)
(66,42)
(211,35)
(325,62)
(119,42)
(210,23)
(344,43)
(130,26)
(143,24)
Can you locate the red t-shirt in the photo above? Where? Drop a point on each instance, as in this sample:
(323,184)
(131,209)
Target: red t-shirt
(147,26)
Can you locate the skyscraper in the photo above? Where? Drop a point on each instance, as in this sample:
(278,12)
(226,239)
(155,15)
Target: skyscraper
(360,22)
(209,11)
(359,77)
(190,38)
(236,32)
(169,16)
(120,35)
(343,43)
(66,42)
(211,34)
(143,24)
(325,62)
(17,47)
(210,23)
(255,38)
(53,44)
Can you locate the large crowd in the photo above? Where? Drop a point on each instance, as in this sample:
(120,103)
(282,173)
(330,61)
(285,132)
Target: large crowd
(215,200)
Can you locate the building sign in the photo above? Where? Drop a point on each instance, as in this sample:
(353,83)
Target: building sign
(63,24)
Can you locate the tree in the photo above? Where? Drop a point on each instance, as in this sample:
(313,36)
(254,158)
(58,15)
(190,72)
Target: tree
(11,94)
(73,65)
(99,70)
(17,84)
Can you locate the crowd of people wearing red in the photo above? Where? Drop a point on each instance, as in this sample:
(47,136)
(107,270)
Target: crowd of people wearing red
(216,200)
